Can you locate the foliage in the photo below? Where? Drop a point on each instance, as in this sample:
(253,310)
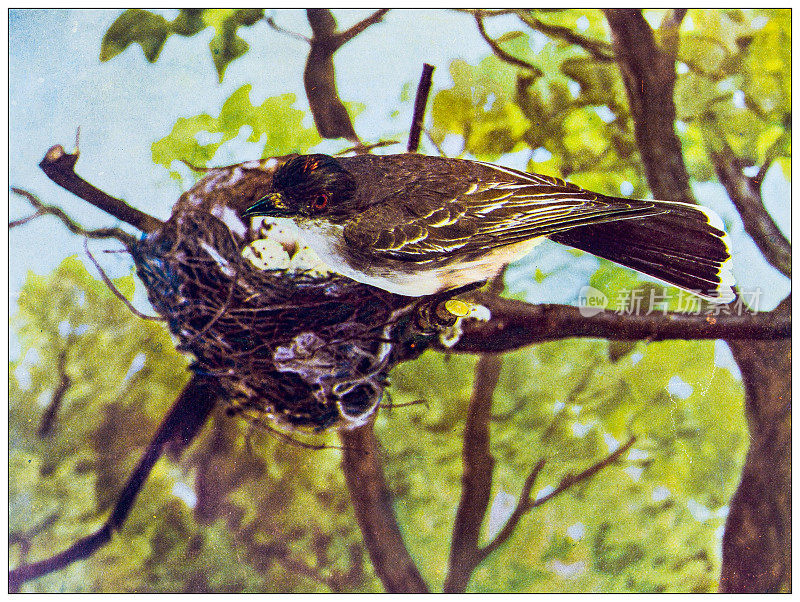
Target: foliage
(261,507)
(256,500)
(275,121)
(244,511)
(732,78)
(150,31)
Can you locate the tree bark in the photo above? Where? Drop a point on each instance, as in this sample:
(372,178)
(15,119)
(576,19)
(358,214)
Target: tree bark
(756,546)
(757,540)
(372,505)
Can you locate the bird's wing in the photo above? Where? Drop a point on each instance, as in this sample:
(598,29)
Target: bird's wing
(483,216)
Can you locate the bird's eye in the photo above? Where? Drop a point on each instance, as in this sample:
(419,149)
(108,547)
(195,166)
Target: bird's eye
(319,202)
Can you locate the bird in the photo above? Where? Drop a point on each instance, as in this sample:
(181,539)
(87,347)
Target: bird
(419,225)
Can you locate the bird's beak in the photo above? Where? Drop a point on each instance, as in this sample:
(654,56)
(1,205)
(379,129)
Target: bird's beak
(272,205)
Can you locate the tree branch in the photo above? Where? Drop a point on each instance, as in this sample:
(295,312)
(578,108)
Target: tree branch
(515,324)
(756,545)
(116,292)
(670,28)
(187,415)
(597,49)
(372,505)
(64,382)
(420,102)
(476,480)
(649,77)
(349,34)
(271,22)
(745,193)
(499,52)
(319,77)
(59,166)
(526,505)
(72,225)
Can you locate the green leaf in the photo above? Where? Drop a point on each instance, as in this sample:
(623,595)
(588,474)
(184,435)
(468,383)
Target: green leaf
(151,31)
(137,26)
(275,122)
(226,45)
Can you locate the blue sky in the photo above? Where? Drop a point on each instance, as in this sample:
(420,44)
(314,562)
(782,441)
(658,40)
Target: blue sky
(57,83)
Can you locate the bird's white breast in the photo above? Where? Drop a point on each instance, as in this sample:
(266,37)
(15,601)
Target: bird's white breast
(328,241)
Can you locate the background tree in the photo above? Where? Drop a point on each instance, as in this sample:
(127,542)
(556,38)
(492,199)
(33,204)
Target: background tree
(614,101)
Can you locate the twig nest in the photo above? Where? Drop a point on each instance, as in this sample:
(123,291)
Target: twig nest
(288,341)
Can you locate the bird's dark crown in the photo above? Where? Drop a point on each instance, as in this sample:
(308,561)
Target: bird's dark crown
(314,185)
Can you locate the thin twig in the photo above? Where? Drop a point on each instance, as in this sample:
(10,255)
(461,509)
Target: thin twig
(519,511)
(115,290)
(365,148)
(421,100)
(570,480)
(24,220)
(526,505)
(499,52)
(435,144)
(271,22)
(72,225)
(598,50)
(64,382)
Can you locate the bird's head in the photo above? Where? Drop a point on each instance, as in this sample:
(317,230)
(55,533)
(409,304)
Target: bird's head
(311,186)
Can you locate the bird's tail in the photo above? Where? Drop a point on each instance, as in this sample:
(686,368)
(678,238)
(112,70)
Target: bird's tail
(685,246)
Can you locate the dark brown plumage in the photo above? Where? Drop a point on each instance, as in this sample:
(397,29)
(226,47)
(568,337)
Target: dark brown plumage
(417,225)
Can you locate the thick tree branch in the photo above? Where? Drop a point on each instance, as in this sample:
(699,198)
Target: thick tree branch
(515,324)
(372,505)
(745,193)
(756,546)
(649,77)
(420,102)
(476,480)
(319,77)
(187,415)
(59,166)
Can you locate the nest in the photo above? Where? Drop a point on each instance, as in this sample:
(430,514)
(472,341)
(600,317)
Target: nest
(298,346)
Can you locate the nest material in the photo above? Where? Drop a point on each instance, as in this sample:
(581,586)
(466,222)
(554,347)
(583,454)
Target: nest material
(305,349)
